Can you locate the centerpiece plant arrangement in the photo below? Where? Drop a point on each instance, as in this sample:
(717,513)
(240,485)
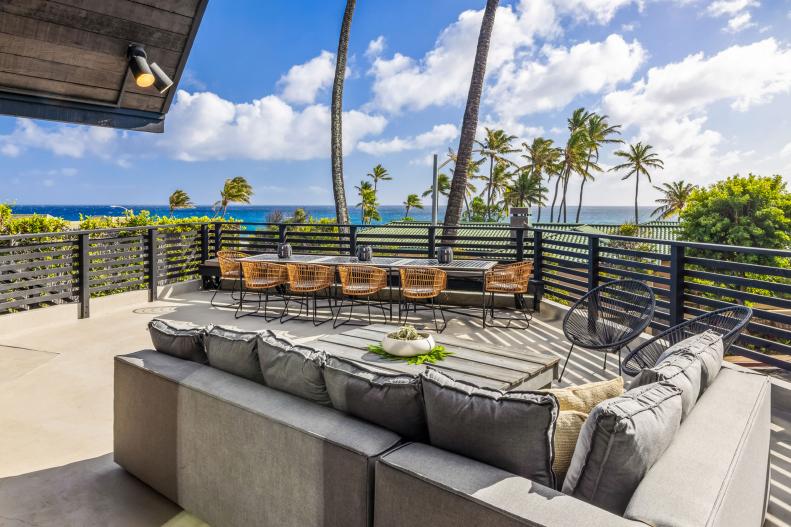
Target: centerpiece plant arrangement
(410,345)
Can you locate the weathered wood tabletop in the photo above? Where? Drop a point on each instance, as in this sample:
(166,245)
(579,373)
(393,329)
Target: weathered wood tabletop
(476,363)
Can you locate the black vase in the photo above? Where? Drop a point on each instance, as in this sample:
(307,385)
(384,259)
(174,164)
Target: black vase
(445,255)
(365,253)
(284,250)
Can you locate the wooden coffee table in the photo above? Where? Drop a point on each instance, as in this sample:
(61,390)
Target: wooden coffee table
(479,364)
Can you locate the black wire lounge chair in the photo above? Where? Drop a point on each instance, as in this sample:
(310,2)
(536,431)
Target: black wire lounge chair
(608,318)
(728,322)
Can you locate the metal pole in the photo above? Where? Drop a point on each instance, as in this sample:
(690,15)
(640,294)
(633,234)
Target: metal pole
(434,193)
(83,275)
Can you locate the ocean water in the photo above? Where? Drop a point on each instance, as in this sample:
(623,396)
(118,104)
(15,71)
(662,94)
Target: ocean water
(259,213)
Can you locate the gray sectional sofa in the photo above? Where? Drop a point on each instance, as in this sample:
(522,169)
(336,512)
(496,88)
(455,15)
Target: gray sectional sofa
(237,453)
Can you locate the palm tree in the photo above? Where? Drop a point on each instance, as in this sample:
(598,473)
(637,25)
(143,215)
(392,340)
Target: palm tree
(236,190)
(443,186)
(526,190)
(576,150)
(542,158)
(674,198)
(498,183)
(412,202)
(495,146)
(368,204)
(336,126)
(379,173)
(639,159)
(472,174)
(469,124)
(599,133)
(179,200)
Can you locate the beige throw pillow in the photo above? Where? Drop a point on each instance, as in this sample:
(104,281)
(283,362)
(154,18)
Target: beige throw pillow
(576,402)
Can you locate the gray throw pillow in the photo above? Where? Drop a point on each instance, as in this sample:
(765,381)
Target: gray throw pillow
(392,401)
(708,347)
(292,369)
(512,431)
(179,339)
(683,370)
(233,351)
(621,439)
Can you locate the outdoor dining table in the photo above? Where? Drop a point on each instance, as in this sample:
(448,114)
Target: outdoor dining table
(390,264)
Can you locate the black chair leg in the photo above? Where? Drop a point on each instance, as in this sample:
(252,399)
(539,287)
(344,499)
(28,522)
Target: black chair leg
(565,363)
(605,362)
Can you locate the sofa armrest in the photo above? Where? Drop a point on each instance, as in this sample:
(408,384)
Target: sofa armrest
(417,484)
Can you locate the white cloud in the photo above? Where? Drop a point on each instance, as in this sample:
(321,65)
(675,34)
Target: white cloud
(63,140)
(668,107)
(599,11)
(737,11)
(588,67)
(205,126)
(303,82)
(375,47)
(786,151)
(439,135)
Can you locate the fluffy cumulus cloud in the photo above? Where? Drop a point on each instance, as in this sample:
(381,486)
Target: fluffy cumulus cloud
(439,135)
(303,82)
(668,108)
(375,47)
(205,126)
(737,12)
(561,74)
(68,141)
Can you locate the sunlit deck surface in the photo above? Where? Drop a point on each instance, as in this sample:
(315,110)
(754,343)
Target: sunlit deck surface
(56,405)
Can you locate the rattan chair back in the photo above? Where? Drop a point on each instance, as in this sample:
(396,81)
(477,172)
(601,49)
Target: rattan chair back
(508,278)
(422,282)
(309,278)
(263,275)
(229,263)
(361,280)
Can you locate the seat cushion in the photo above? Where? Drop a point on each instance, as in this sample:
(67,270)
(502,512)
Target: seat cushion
(179,339)
(392,401)
(681,369)
(291,368)
(512,431)
(621,439)
(234,351)
(708,347)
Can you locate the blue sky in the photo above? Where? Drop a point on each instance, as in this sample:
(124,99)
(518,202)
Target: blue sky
(706,82)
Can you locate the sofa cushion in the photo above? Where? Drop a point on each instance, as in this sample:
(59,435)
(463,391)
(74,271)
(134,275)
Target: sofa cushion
(292,369)
(179,339)
(584,397)
(621,439)
(508,430)
(234,351)
(392,401)
(708,347)
(683,370)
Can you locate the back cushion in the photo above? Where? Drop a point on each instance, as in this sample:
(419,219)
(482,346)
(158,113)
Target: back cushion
(292,369)
(708,347)
(508,430)
(392,401)
(234,351)
(179,339)
(621,439)
(684,370)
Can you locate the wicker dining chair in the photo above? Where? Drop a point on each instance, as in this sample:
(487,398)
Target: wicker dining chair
(608,318)
(229,270)
(264,278)
(728,322)
(510,279)
(358,281)
(422,283)
(305,282)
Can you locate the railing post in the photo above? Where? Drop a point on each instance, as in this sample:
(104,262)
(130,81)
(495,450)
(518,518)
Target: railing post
(83,275)
(432,241)
(520,243)
(352,240)
(217,237)
(538,276)
(676,295)
(204,243)
(153,267)
(593,262)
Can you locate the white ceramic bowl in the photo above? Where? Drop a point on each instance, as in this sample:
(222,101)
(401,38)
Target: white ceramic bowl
(408,348)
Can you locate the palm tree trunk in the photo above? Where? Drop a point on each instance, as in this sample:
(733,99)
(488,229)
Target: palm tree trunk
(469,124)
(554,200)
(565,191)
(636,190)
(579,207)
(336,127)
(489,190)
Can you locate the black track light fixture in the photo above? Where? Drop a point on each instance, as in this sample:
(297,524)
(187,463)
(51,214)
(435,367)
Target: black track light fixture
(161,81)
(138,63)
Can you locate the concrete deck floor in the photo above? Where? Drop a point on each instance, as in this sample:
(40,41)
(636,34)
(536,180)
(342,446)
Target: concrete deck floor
(56,465)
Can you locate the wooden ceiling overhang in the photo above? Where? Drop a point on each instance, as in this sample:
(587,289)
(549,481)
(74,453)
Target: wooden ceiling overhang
(66,60)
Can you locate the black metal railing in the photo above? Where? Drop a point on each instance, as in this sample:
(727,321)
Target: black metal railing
(39,270)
